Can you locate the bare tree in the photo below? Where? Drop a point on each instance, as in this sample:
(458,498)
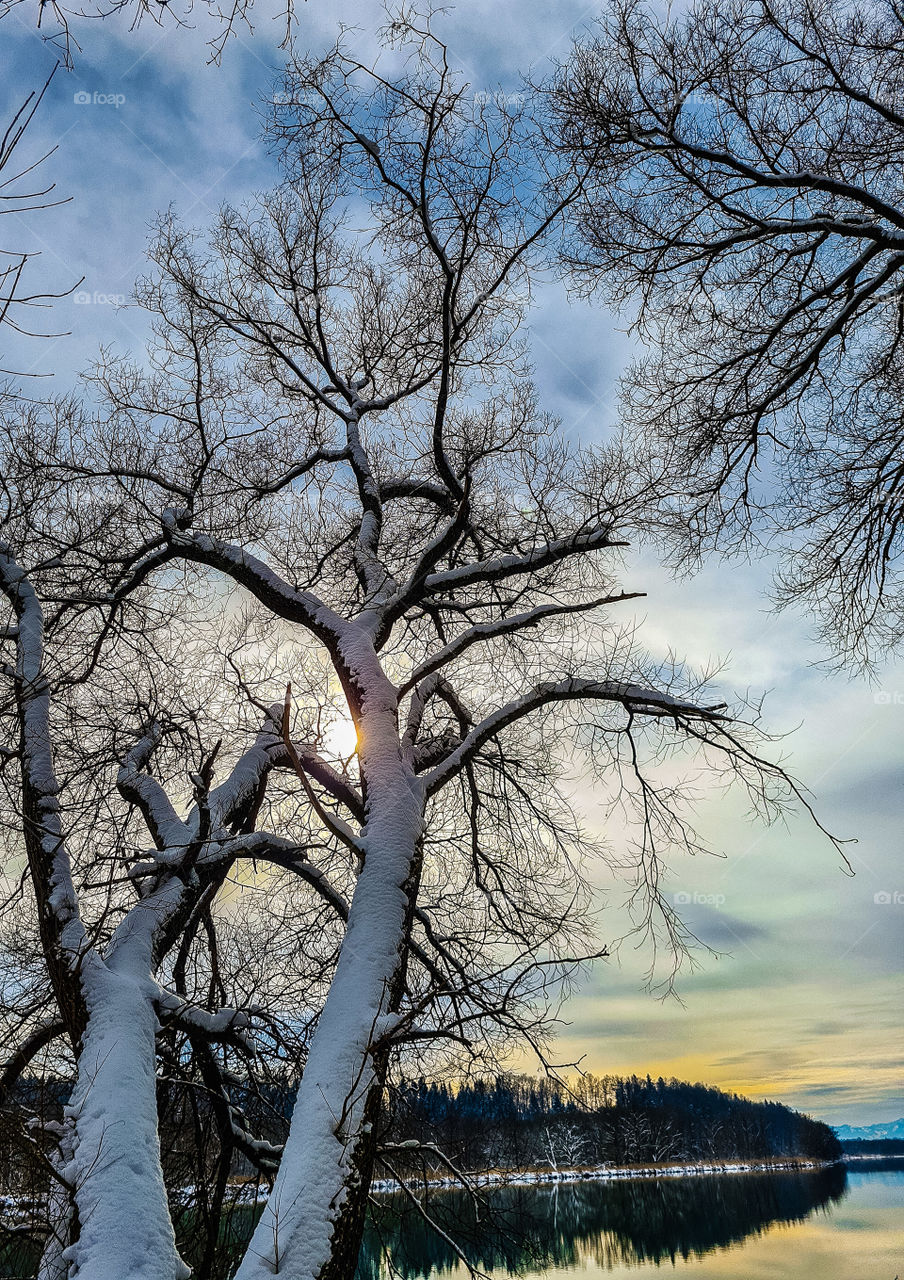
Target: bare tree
(62,24)
(748,194)
(565,1146)
(20,191)
(332,467)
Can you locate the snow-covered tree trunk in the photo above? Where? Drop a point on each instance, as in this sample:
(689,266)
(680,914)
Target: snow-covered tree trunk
(124,1227)
(60,1213)
(311,1226)
(118,1222)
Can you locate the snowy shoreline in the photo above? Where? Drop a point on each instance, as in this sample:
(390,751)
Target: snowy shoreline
(609,1173)
(251,1194)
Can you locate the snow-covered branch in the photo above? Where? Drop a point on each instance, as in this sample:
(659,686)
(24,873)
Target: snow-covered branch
(507,625)
(246,569)
(225,1024)
(634,698)
(515,564)
(63,934)
(284,853)
(143,790)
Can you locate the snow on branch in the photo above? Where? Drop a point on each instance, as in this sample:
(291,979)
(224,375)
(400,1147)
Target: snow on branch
(287,854)
(246,569)
(225,1024)
(45,841)
(506,626)
(230,801)
(635,698)
(141,789)
(264,1155)
(510,566)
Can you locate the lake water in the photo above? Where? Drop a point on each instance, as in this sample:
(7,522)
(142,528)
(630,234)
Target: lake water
(829,1224)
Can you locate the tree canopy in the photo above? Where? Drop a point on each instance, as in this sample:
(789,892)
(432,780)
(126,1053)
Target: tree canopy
(746,197)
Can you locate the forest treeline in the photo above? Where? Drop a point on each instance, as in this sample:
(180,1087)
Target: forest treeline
(515,1121)
(502,1122)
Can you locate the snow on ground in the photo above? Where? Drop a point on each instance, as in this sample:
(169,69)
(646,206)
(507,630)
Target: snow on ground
(250,1193)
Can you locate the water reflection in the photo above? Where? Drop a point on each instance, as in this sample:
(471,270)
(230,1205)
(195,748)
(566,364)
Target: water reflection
(530,1228)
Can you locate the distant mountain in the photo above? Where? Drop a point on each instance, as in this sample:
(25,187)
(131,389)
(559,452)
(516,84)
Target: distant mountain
(870,1132)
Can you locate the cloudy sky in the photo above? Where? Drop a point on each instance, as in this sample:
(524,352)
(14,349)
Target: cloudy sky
(803,1001)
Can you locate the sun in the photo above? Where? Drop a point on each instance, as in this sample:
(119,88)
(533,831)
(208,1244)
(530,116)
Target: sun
(341,738)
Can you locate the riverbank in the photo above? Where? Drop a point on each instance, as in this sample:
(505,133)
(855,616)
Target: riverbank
(251,1193)
(601,1173)
(608,1173)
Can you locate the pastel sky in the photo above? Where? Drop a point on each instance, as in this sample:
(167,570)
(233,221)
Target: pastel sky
(803,1003)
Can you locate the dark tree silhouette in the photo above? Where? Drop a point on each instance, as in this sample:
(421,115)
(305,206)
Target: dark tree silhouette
(749,198)
(331,469)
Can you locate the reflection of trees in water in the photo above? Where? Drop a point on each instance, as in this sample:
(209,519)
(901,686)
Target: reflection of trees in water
(525,1228)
